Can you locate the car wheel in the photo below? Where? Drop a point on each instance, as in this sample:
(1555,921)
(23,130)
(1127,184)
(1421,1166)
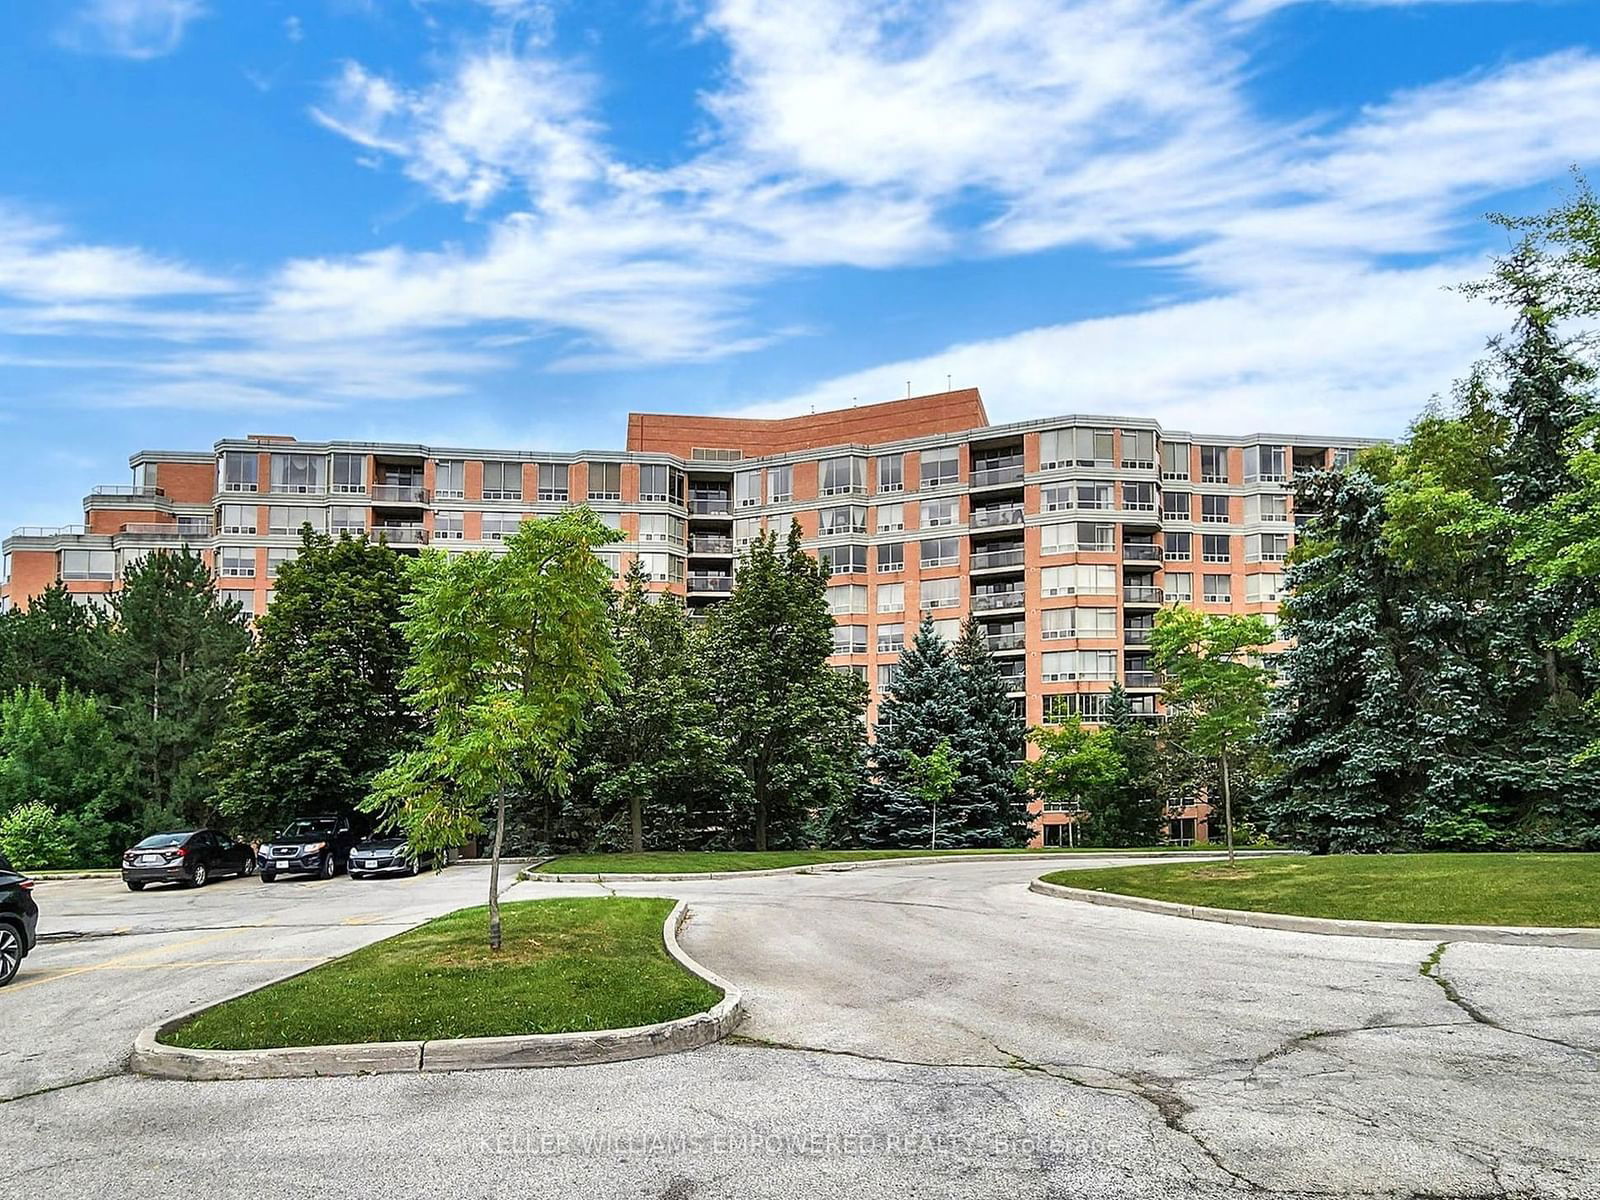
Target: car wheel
(198,879)
(249,867)
(416,866)
(329,867)
(267,877)
(10,952)
(135,885)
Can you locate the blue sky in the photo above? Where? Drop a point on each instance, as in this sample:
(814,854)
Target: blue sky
(508,222)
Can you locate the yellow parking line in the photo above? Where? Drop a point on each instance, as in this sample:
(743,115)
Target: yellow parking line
(131,957)
(362,919)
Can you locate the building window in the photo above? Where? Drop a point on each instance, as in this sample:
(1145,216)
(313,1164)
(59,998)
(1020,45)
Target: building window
(1266,547)
(1139,497)
(277,556)
(841,476)
(605,481)
(1174,460)
(285,521)
(1082,579)
(237,471)
(344,519)
(891,556)
(941,552)
(1061,623)
(1179,586)
(660,483)
(1088,537)
(1177,547)
(891,472)
(891,637)
(236,518)
(847,598)
(1218,589)
(502,481)
(1268,507)
(1213,464)
(844,560)
(747,489)
(745,531)
(938,513)
(1066,666)
(888,673)
(891,597)
(349,474)
(297,473)
(780,485)
(1263,588)
(1139,449)
(1264,463)
(1094,495)
(450,479)
(661,527)
(947,628)
(450,526)
(1089,706)
(891,517)
(1092,447)
(553,487)
(1177,506)
(1214,548)
(842,519)
(849,639)
(941,467)
(236,562)
(1343,456)
(89,564)
(940,593)
(1214,509)
(498,526)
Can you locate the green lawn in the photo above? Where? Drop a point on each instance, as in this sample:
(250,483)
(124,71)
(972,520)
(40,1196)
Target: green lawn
(1450,889)
(673,862)
(566,965)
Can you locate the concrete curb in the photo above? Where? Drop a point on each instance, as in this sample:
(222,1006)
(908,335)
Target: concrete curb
(152,1057)
(1502,935)
(52,876)
(871,864)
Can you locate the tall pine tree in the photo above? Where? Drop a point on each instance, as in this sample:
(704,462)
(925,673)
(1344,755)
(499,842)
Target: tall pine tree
(990,805)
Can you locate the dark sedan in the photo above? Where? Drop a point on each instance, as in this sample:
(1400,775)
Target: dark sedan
(388,856)
(192,857)
(19,920)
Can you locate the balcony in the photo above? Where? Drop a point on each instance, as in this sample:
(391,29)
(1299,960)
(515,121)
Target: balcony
(983,560)
(1140,552)
(997,474)
(1136,637)
(1140,679)
(398,493)
(123,489)
(711,506)
(995,518)
(1142,594)
(701,584)
(1006,641)
(45,531)
(706,543)
(991,601)
(401,535)
(162,531)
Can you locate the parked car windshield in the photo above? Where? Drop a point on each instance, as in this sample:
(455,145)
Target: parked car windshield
(157,841)
(305,829)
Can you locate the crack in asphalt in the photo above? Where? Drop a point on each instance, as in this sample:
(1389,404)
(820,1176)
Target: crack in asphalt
(68,1085)
(1432,968)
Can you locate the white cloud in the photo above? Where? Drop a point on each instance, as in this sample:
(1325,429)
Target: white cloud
(138,29)
(1249,10)
(39,263)
(1355,353)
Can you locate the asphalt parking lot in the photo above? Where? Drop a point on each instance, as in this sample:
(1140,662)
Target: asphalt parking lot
(929,1030)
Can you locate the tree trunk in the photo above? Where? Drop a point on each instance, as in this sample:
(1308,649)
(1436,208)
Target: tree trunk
(1227,805)
(636,819)
(761,824)
(494,873)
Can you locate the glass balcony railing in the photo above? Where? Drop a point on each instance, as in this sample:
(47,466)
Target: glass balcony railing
(998,473)
(988,518)
(710,583)
(983,559)
(1140,552)
(990,601)
(1140,679)
(401,535)
(1140,594)
(1006,641)
(709,544)
(398,493)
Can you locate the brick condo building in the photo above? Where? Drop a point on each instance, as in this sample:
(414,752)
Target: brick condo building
(1064,536)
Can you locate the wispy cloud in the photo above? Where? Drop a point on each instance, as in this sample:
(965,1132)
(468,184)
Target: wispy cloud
(137,29)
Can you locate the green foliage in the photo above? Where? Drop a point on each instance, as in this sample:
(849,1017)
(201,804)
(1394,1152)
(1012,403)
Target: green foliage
(53,644)
(318,710)
(172,656)
(1077,768)
(63,754)
(990,804)
(509,654)
(34,837)
(793,726)
(655,767)
(932,777)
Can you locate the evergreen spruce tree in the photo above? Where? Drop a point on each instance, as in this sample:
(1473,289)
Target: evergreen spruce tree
(990,807)
(53,644)
(1133,814)
(930,704)
(319,709)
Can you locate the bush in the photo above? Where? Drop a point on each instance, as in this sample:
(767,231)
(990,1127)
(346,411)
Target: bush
(36,838)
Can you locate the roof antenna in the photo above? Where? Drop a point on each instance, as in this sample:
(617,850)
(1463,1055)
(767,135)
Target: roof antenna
(908,389)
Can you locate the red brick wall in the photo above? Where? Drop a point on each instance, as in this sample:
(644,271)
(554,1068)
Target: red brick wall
(868,424)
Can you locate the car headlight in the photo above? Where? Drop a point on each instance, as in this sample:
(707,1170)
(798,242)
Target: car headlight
(313,847)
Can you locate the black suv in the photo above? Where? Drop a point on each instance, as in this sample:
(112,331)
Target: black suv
(309,846)
(19,920)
